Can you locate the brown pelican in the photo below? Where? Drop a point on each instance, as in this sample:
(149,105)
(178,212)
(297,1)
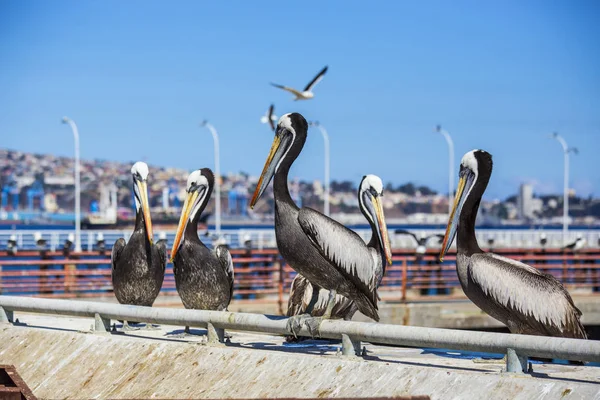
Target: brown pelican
(306,94)
(327,253)
(138,267)
(526,300)
(203,277)
(301,290)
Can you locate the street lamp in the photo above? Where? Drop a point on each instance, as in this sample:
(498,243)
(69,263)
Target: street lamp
(446,135)
(326,143)
(71,123)
(566,151)
(215,136)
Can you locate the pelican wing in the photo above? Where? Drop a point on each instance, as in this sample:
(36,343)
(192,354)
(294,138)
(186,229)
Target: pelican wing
(315,80)
(532,297)
(162,251)
(300,296)
(116,252)
(289,89)
(342,247)
(227,262)
(300,288)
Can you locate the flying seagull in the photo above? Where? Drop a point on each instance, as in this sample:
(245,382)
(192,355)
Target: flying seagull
(269,117)
(306,94)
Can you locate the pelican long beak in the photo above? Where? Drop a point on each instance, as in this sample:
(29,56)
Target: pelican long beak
(190,200)
(382,229)
(453,220)
(143,190)
(277,151)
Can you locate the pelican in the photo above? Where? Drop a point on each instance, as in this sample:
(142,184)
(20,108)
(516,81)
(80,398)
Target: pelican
(328,254)
(306,94)
(301,289)
(138,267)
(301,293)
(269,118)
(203,277)
(526,300)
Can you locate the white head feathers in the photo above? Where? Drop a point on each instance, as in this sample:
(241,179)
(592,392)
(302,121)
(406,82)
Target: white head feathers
(469,160)
(196,179)
(286,122)
(372,181)
(140,168)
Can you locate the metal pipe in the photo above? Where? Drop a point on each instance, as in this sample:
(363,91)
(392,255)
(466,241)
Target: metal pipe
(327,165)
(67,120)
(538,346)
(215,136)
(450,166)
(566,151)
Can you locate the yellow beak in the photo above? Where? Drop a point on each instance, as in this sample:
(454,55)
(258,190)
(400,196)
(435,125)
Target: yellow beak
(453,220)
(262,182)
(190,200)
(383,230)
(143,189)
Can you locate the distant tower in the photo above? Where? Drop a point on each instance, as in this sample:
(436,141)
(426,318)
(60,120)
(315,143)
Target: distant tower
(525,204)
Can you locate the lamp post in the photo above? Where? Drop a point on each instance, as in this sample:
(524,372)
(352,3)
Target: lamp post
(446,135)
(326,144)
(566,151)
(215,136)
(71,123)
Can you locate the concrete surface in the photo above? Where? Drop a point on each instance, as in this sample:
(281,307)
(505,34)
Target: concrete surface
(58,357)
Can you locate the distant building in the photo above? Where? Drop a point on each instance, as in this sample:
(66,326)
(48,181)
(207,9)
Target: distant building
(527,205)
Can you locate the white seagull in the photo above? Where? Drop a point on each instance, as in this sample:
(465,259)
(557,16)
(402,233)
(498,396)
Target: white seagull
(306,93)
(269,117)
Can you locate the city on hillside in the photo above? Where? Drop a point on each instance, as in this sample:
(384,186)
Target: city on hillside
(41,186)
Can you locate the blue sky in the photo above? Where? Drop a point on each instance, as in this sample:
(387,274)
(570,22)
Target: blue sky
(138,77)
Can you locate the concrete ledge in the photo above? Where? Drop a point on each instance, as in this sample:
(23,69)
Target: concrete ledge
(60,362)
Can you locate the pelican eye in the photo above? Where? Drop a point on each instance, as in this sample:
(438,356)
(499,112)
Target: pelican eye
(373,192)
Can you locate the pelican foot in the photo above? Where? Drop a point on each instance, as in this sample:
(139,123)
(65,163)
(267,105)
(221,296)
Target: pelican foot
(313,324)
(151,327)
(127,327)
(295,323)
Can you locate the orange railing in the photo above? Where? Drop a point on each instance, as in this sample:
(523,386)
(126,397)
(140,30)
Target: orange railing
(261,276)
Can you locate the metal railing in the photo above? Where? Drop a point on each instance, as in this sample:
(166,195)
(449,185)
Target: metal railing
(265,238)
(517,347)
(262,277)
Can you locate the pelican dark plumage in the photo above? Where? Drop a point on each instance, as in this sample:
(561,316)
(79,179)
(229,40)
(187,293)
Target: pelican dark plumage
(301,290)
(203,277)
(523,298)
(325,252)
(138,267)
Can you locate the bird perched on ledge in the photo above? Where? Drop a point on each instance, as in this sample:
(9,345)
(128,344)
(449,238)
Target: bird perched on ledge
(204,277)
(523,298)
(138,267)
(325,252)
